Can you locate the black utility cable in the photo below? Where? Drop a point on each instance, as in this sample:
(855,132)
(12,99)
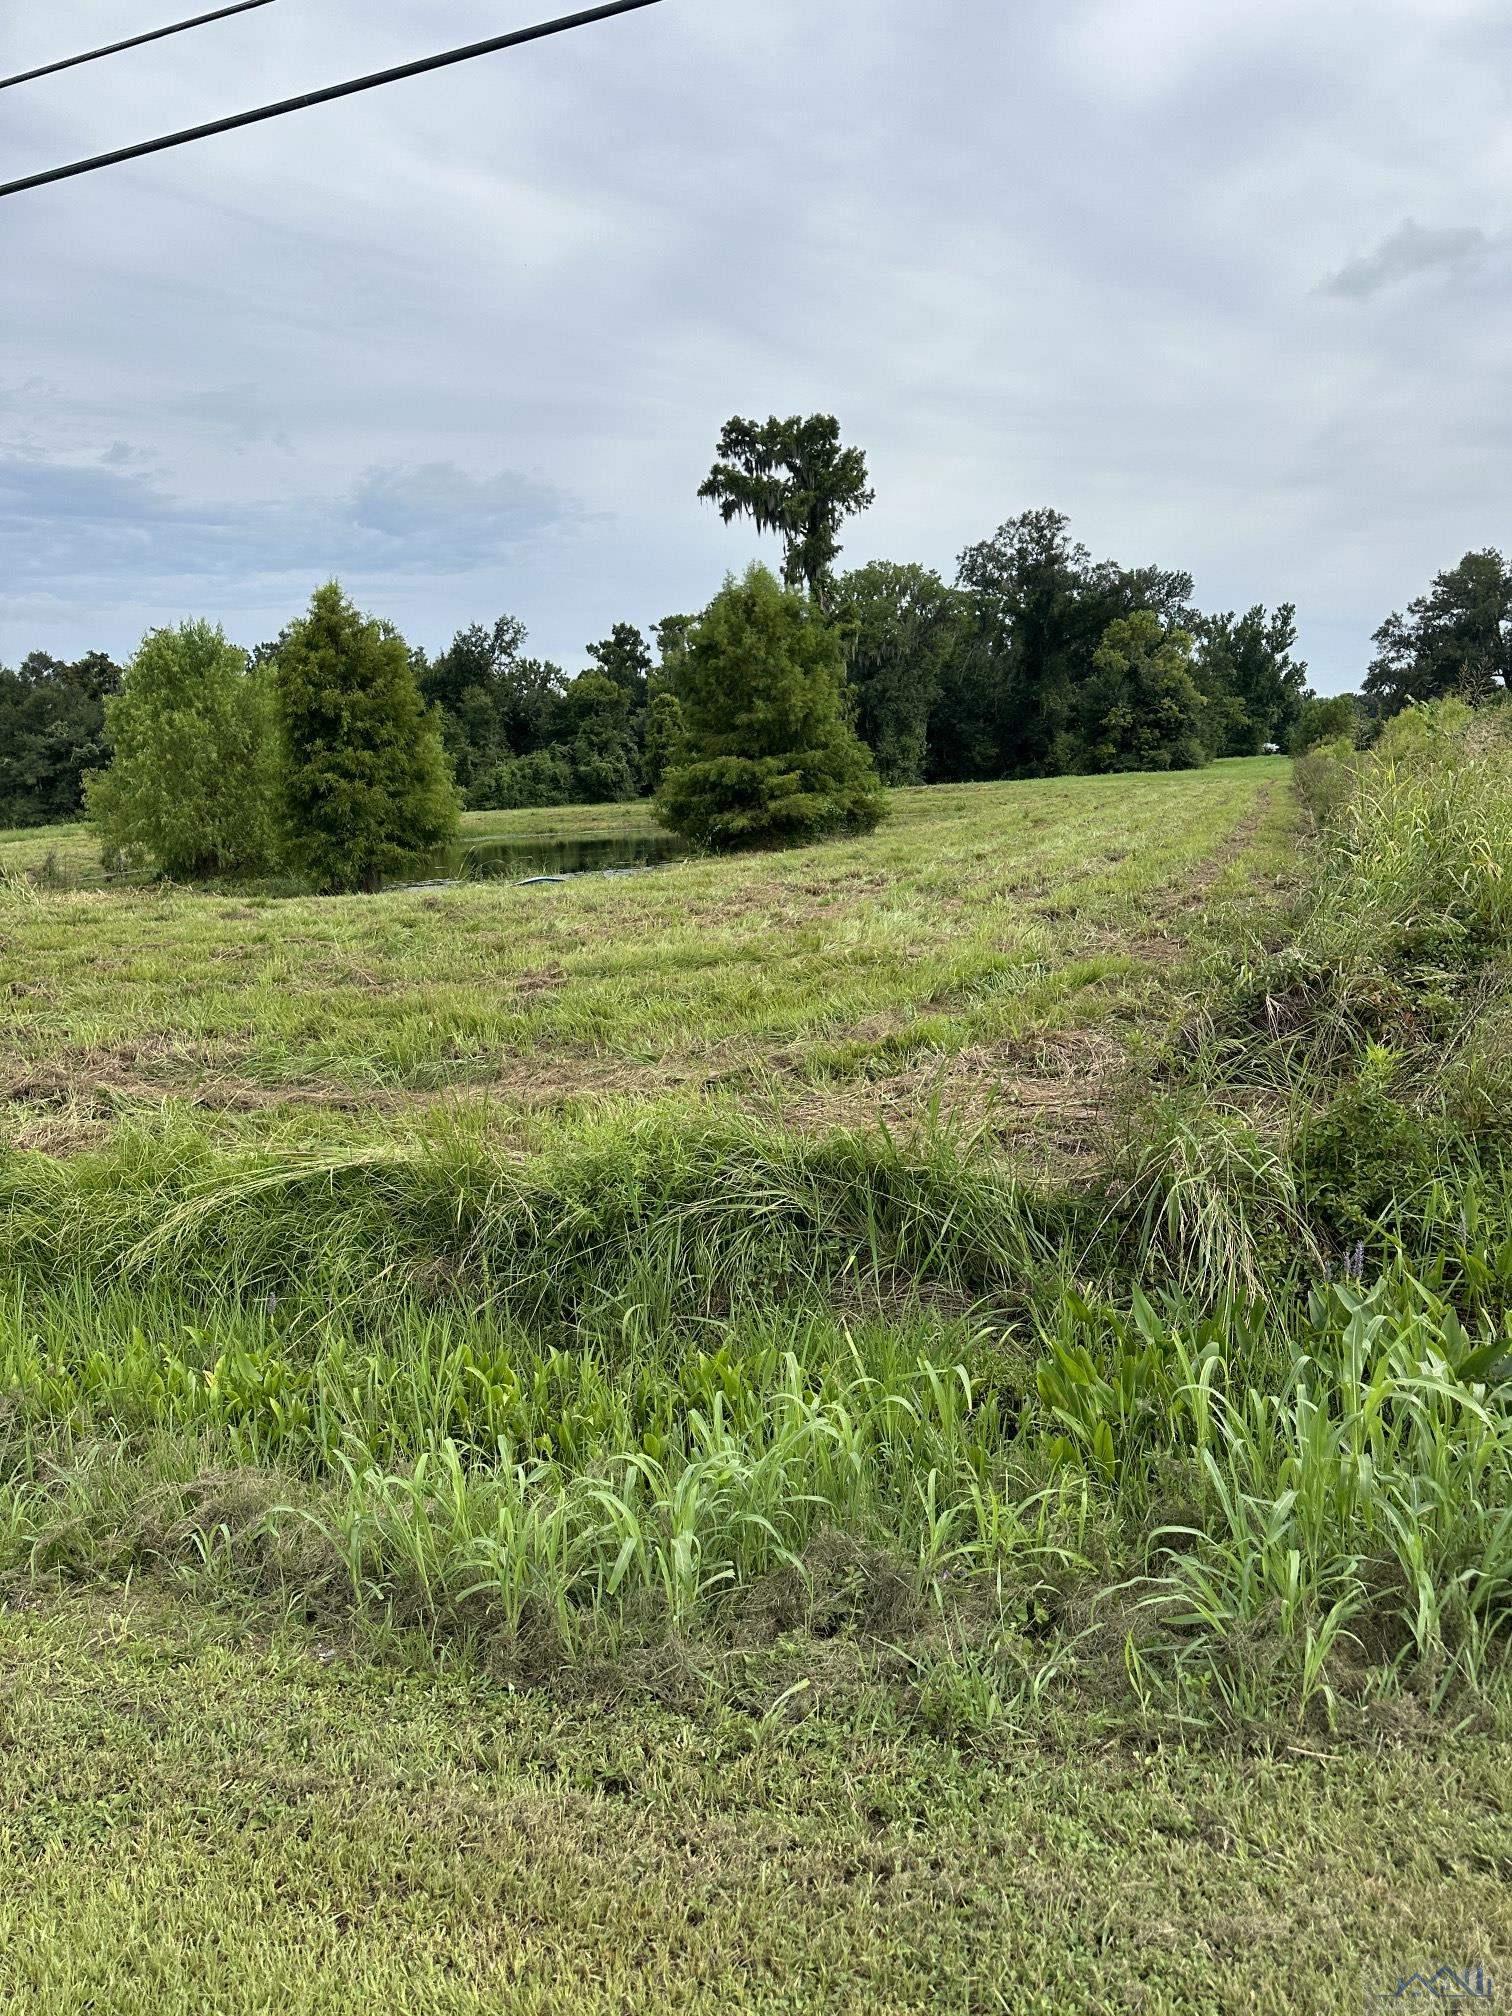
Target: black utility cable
(132,42)
(331,91)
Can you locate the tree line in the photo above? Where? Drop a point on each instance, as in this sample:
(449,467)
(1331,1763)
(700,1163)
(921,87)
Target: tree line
(1035,659)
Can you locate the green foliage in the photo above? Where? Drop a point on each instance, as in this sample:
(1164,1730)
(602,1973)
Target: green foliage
(1325,779)
(366,785)
(495,704)
(1365,1155)
(192,785)
(767,754)
(1418,849)
(624,657)
(903,627)
(1325,718)
(52,734)
(602,1380)
(1140,709)
(663,738)
(597,731)
(1246,668)
(545,777)
(1455,639)
(1040,609)
(794,478)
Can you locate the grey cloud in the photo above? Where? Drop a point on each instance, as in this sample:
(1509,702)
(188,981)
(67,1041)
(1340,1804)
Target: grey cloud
(1409,250)
(101,523)
(1067,251)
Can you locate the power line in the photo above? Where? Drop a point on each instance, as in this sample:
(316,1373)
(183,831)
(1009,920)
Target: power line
(332,91)
(131,42)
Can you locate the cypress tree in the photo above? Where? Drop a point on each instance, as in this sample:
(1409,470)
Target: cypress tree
(766,754)
(367,784)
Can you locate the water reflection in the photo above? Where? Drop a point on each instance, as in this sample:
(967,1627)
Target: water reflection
(497,857)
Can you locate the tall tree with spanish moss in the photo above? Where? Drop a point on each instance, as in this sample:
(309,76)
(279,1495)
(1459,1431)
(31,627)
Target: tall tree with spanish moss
(793,477)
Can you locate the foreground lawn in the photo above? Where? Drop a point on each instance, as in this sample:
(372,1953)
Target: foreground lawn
(1009,927)
(196,1818)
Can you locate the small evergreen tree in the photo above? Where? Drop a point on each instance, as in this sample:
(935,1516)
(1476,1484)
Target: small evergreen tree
(192,784)
(767,754)
(367,785)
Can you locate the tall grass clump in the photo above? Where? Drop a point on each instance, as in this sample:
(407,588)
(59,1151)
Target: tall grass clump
(1417,851)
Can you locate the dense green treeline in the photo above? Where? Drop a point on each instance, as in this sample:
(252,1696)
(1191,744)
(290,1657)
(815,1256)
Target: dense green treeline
(52,732)
(1035,660)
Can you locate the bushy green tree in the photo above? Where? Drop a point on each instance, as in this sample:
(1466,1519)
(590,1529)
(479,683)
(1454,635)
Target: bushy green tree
(544,777)
(1456,639)
(1246,667)
(1141,709)
(625,657)
(52,733)
(767,754)
(366,785)
(1040,607)
(599,736)
(191,787)
(1320,719)
(902,628)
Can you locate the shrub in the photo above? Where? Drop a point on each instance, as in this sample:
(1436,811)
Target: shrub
(192,785)
(367,784)
(767,754)
(1366,1155)
(544,777)
(1321,720)
(1325,778)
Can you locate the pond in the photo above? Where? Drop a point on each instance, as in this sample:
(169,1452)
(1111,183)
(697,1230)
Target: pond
(487,857)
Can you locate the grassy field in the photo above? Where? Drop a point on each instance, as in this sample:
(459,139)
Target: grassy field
(983,944)
(912,1424)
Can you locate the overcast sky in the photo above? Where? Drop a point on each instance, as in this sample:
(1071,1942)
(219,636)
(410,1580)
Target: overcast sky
(1226,280)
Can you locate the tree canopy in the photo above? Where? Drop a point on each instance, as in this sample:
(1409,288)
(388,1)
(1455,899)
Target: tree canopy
(793,477)
(1247,671)
(902,628)
(1141,709)
(52,733)
(188,788)
(766,753)
(1455,638)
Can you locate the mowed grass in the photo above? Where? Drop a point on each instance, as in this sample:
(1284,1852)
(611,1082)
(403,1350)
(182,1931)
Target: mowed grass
(200,1816)
(983,918)
(486,1523)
